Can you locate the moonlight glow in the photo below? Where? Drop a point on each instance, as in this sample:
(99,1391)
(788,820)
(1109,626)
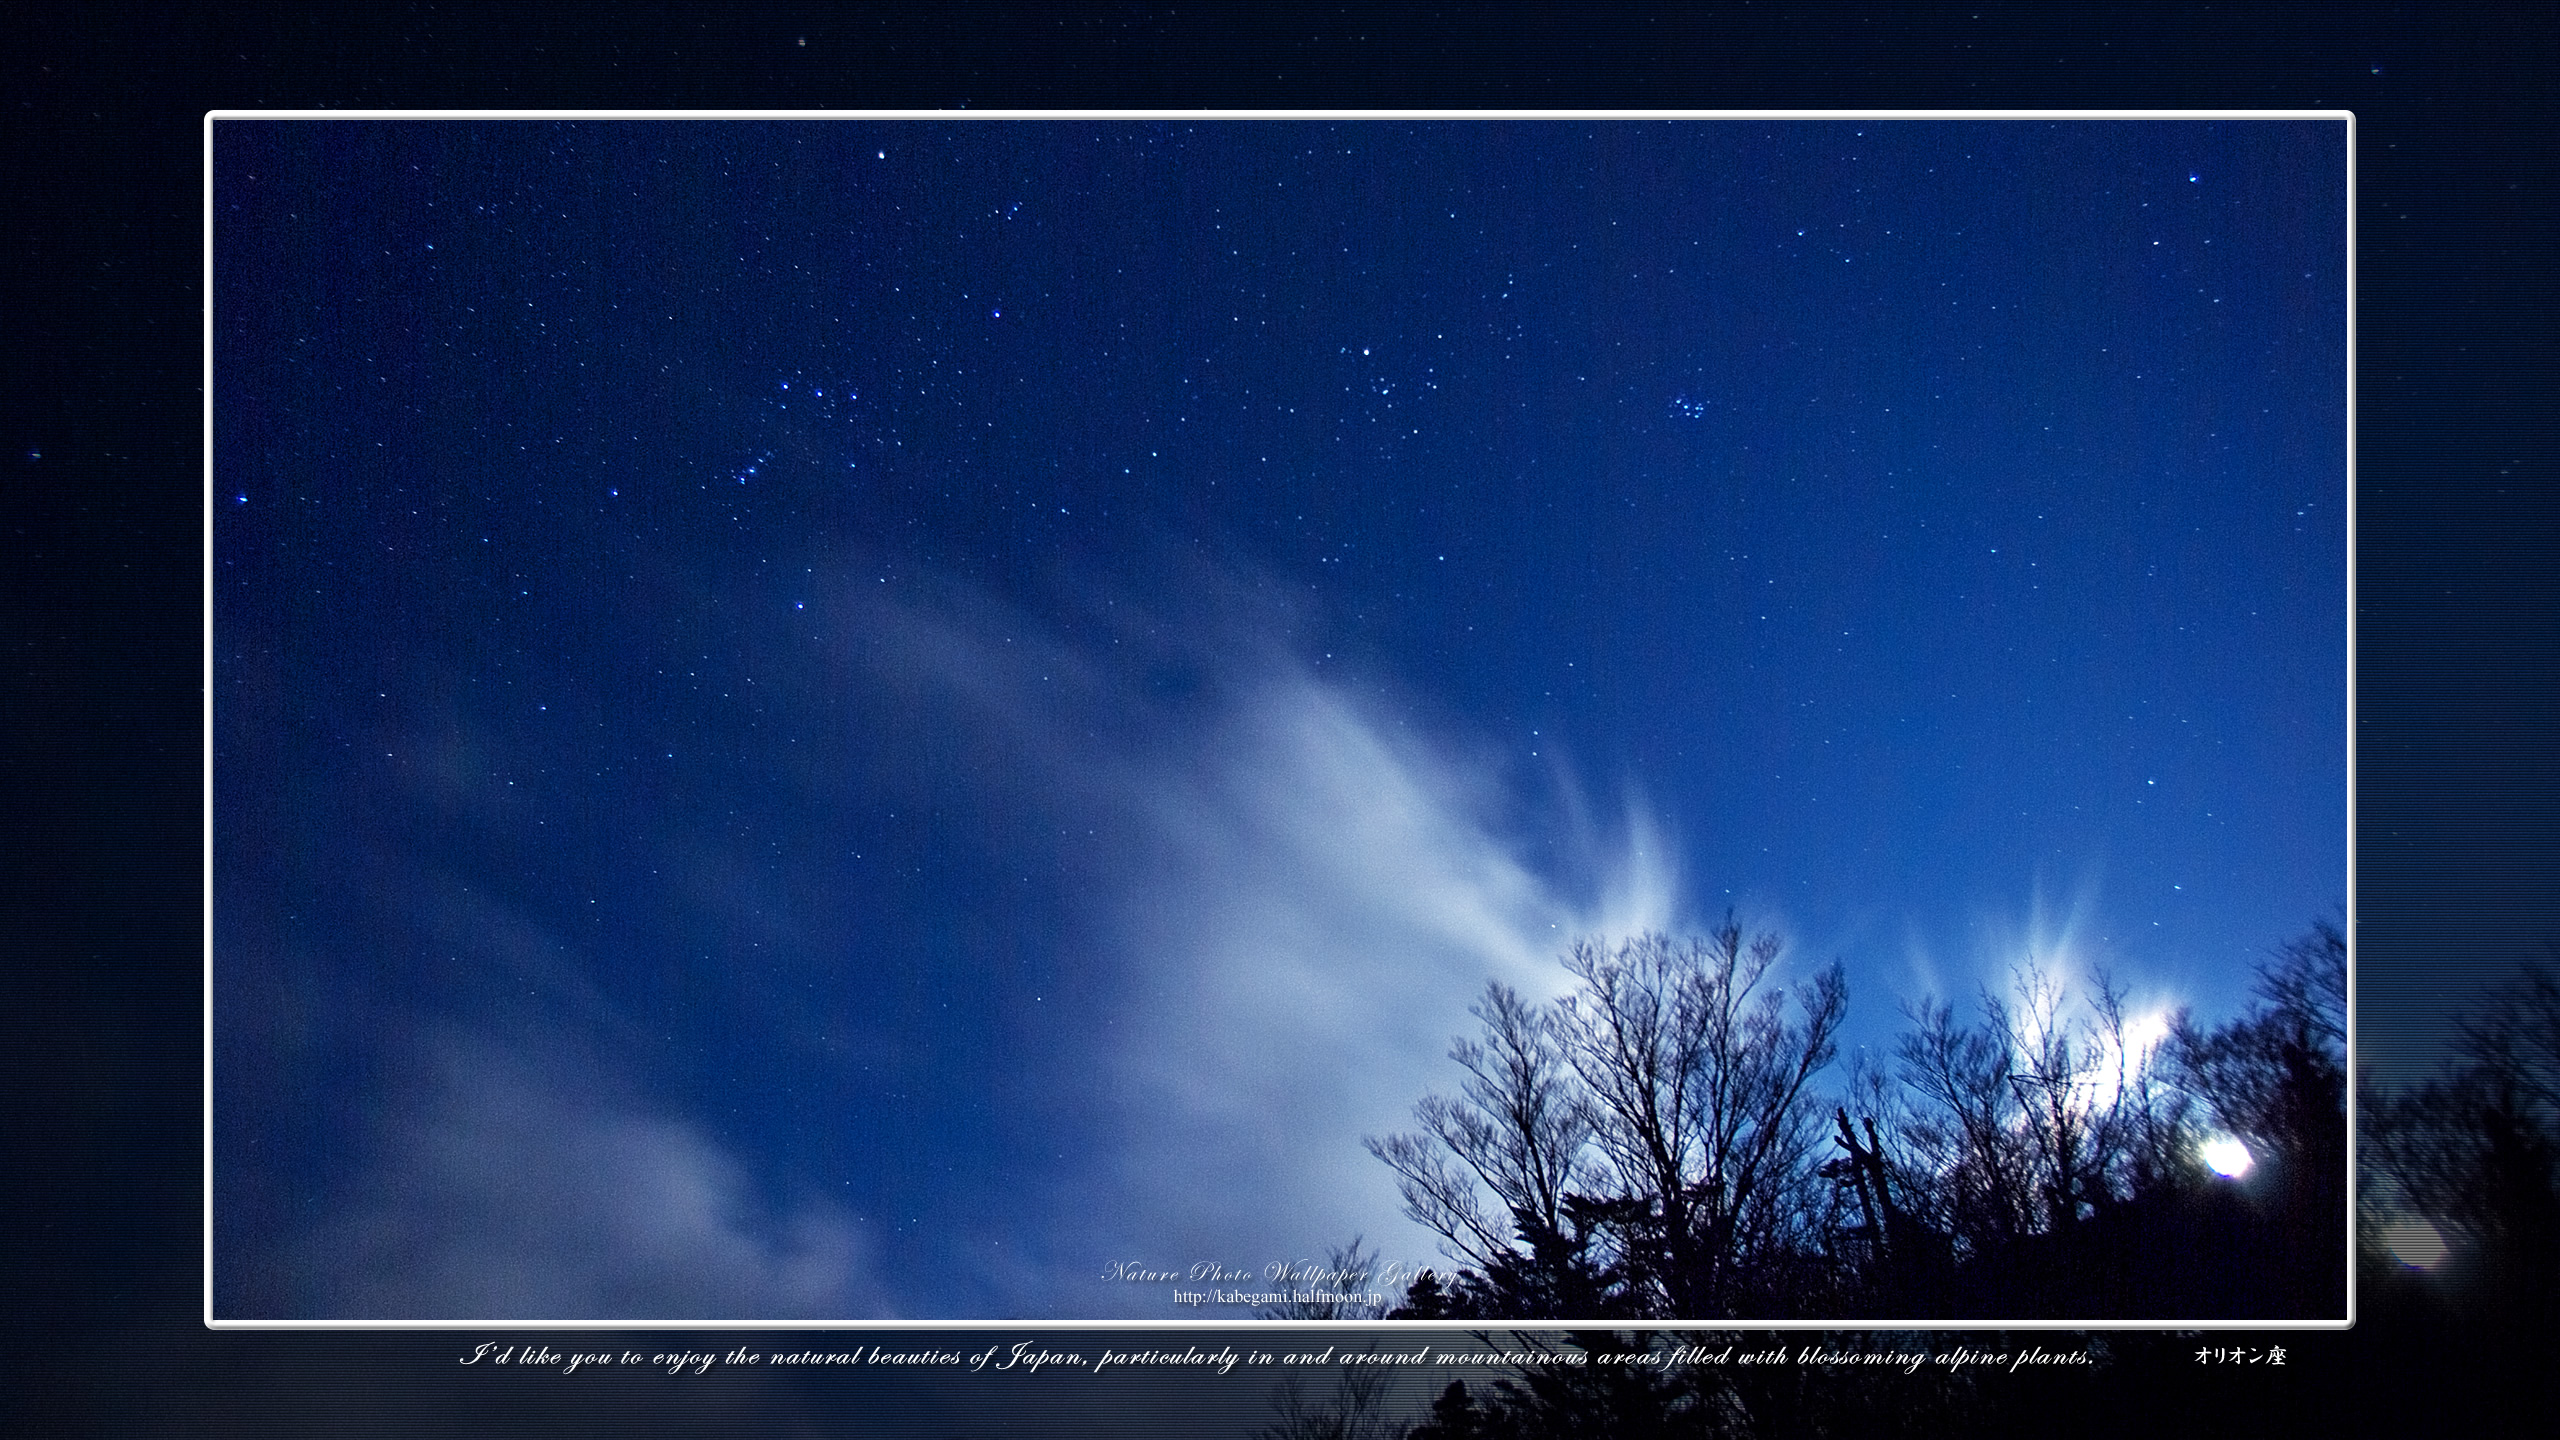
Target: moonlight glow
(2227,1156)
(2415,1243)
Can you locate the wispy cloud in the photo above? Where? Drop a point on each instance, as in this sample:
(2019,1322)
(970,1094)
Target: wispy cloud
(511,1188)
(1330,895)
(1303,889)
(1286,889)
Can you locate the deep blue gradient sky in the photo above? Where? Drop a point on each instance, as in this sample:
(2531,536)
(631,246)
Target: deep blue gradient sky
(866,718)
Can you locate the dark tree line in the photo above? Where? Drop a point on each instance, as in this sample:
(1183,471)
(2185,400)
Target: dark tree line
(1656,1146)
(2473,1155)
(1942,1186)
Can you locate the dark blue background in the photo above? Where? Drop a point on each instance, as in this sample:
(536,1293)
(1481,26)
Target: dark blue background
(2456,550)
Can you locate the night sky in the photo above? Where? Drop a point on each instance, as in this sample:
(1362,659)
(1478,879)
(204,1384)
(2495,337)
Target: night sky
(867,718)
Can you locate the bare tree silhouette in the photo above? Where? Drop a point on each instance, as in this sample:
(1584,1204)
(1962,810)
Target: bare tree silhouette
(1648,1142)
(2475,1151)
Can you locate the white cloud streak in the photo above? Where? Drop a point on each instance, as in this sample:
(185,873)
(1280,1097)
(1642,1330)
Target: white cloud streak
(513,1191)
(1330,897)
(1302,894)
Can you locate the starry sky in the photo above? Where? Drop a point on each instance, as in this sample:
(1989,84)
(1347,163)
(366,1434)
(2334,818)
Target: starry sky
(869,718)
